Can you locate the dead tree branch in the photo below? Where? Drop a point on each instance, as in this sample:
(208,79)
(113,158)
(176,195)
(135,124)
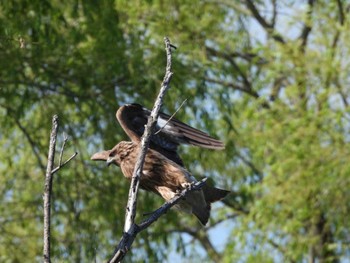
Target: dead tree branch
(48,189)
(130,228)
(48,184)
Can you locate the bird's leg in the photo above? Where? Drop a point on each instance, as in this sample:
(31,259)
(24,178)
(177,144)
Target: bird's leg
(184,186)
(178,192)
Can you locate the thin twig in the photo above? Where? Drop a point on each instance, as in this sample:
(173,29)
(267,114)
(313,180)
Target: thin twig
(63,164)
(48,189)
(171,117)
(65,139)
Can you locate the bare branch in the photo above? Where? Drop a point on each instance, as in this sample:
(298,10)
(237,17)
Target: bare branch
(130,226)
(48,189)
(131,207)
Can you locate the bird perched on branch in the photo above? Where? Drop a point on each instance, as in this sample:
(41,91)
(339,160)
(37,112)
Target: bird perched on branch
(163,172)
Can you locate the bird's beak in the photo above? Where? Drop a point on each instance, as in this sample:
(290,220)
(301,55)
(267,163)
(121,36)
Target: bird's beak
(109,161)
(100,156)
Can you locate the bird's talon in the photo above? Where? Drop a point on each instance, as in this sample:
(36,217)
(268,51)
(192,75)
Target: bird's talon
(186,185)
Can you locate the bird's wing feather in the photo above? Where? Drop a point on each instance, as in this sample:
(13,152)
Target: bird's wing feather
(170,132)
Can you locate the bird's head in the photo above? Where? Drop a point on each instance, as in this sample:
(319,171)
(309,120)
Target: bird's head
(116,154)
(109,156)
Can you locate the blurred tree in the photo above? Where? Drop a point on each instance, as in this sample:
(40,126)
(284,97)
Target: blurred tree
(269,78)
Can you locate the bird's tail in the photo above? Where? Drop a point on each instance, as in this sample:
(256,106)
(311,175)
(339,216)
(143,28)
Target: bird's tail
(202,213)
(212,194)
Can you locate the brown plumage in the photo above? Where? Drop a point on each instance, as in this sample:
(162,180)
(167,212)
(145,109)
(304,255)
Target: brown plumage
(163,172)
(164,177)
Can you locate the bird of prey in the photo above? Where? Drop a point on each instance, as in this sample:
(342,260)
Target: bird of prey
(163,172)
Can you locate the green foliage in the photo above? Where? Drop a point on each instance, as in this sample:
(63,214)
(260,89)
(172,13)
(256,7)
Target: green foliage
(276,93)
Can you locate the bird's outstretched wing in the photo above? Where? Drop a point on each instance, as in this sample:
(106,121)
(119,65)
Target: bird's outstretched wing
(169,132)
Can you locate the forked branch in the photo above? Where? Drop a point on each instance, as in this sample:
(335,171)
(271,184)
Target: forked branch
(48,184)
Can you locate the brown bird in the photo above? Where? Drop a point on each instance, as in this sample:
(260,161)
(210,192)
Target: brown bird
(163,172)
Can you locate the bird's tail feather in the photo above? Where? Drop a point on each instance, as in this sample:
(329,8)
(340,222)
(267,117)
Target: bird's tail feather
(212,194)
(202,213)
